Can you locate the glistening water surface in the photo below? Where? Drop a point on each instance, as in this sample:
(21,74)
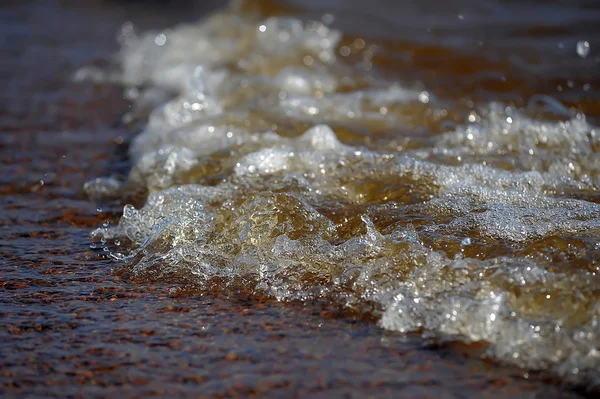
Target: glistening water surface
(285,158)
(426,173)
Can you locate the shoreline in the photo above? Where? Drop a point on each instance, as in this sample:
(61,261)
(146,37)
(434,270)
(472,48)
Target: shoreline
(74,328)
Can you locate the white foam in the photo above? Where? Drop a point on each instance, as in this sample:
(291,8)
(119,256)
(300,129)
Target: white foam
(279,207)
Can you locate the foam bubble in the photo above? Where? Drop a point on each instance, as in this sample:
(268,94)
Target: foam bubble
(259,181)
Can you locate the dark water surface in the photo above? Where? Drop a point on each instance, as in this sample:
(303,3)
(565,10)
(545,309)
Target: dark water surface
(73,327)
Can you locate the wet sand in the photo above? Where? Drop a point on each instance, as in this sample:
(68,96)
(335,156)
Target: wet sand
(72,328)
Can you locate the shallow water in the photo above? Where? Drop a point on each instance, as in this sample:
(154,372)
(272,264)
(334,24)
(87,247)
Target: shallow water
(398,166)
(287,158)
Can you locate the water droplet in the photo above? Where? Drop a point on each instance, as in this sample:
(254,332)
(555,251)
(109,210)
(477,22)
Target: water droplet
(583,48)
(359,43)
(327,19)
(345,51)
(160,39)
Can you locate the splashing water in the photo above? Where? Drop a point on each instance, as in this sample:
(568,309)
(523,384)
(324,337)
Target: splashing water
(583,48)
(260,179)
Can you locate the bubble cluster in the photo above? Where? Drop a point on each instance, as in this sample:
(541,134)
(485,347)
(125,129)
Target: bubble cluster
(260,179)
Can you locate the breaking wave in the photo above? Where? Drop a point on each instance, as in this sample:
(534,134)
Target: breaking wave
(276,165)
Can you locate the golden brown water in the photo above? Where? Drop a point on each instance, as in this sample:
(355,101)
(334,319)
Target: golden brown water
(434,188)
(433,171)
